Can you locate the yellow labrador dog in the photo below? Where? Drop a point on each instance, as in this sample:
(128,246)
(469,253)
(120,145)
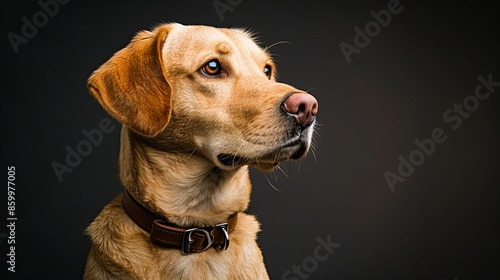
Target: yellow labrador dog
(198,105)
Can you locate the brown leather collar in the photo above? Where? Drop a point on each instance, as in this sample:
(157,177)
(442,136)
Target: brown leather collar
(162,232)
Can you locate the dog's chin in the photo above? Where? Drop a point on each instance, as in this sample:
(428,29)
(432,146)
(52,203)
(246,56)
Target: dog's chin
(267,161)
(265,166)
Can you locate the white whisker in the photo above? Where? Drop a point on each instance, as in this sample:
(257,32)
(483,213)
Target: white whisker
(276,189)
(314,155)
(284,173)
(310,90)
(236,154)
(192,153)
(277,43)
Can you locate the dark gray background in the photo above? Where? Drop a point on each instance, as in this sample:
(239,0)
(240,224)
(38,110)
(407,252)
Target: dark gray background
(442,222)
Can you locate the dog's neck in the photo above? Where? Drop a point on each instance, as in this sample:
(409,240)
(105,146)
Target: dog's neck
(184,187)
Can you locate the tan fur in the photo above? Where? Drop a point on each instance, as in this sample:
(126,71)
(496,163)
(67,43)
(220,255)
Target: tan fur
(176,121)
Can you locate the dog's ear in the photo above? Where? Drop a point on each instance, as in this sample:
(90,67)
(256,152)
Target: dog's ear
(132,85)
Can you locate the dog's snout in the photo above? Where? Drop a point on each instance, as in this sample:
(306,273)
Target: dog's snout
(303,107)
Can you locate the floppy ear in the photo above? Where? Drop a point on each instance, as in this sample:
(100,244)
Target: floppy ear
(132,85)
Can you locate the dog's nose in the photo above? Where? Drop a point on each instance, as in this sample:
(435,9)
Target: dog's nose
(303,107)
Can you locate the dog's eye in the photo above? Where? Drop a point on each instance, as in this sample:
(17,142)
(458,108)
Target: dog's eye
(212,68)
(268,71)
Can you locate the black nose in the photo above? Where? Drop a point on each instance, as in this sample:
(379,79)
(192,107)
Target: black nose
(303,107)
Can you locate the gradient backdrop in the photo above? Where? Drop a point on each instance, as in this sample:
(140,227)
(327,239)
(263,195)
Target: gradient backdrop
(405,81)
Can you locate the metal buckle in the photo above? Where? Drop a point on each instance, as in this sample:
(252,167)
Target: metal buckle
(224,228)
(187,239)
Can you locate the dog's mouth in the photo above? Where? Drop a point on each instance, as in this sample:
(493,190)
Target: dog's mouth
(268,160)
(230,160)
(233,161)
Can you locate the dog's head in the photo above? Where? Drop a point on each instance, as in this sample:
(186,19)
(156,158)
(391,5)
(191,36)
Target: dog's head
(205,90)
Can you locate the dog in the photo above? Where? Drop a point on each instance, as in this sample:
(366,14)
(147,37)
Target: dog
(198,105)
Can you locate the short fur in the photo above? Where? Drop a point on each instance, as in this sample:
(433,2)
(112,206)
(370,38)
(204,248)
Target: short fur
(176,121)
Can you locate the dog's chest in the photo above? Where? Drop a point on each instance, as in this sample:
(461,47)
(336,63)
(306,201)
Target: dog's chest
(242,260)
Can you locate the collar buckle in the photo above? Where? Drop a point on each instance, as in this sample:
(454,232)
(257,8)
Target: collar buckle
(164,233)
(208,235)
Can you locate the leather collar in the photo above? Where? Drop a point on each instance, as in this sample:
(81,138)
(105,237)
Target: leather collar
(165,233)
